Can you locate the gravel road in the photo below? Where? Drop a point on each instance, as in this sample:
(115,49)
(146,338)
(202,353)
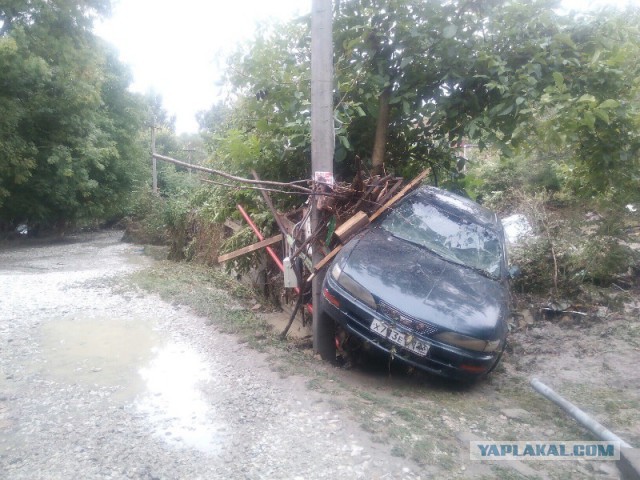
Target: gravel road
(99,384)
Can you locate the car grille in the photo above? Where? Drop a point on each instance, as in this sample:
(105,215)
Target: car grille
(418,326)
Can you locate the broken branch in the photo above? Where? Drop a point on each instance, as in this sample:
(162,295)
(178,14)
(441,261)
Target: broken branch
(228,176)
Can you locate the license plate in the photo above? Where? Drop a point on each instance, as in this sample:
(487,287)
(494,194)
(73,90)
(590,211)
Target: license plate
(407,341)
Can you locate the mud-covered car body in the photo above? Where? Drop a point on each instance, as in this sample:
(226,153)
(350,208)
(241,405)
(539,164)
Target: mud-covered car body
(427,283)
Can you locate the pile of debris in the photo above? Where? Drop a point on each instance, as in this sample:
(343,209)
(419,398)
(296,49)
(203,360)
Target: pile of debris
(366,195)
(346,209)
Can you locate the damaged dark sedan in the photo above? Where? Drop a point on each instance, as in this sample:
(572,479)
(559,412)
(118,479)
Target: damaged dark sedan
(427,283)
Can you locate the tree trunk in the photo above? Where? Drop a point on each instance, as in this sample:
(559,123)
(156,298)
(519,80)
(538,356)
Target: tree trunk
(380,141)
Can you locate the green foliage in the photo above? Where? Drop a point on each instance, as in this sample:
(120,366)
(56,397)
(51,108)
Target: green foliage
(490,176)
(165,218)
(145,219)
(430,56)
(266,129)
(69,148)
(592,105)
(572,247)
(601,259)
(518,77)
(245,237)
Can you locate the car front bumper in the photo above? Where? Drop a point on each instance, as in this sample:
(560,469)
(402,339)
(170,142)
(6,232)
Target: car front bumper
(441,359)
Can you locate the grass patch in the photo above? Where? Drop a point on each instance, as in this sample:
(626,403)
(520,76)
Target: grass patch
(615,405)
(407,414)
(502,473)
(628,331)
(208,291)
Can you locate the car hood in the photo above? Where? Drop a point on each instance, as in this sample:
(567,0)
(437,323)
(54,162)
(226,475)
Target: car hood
(421,284)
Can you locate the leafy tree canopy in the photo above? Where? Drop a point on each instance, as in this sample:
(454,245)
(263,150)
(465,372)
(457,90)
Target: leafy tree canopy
(69,145)
(414,78)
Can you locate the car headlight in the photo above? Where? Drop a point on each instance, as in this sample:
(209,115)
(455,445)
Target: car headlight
(470,343)
(353,287)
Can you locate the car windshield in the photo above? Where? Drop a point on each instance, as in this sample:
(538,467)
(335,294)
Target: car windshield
(455,239)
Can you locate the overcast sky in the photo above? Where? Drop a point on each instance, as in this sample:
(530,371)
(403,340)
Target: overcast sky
(177,48)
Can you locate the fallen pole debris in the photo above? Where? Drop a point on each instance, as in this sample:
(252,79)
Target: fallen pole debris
(581,417)
(270,251)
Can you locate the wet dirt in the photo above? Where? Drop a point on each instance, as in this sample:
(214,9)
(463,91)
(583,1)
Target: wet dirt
(100,383)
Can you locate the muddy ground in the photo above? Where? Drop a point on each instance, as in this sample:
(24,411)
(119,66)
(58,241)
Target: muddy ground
(101,379)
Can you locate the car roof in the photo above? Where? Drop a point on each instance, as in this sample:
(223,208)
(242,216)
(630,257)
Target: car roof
(458,205)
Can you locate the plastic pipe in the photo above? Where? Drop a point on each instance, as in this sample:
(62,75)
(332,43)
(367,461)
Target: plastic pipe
(581,417)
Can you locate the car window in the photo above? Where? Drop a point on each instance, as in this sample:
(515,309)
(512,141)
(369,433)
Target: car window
(456,239)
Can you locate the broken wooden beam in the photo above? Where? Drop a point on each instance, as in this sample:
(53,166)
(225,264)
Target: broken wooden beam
(323,263)
(255,229)
(249,248)
(398,196)
(352,226)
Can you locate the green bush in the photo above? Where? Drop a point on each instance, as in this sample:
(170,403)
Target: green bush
(573,246)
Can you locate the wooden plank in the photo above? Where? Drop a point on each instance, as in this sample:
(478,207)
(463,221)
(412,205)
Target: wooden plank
(390,192)
(323,263)
(411,185)
(351,226)
(249,249)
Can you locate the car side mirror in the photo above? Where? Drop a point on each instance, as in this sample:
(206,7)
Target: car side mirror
(514,272)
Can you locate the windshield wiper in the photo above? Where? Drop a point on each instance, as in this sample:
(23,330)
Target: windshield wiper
(423,246)
(447,258)
(482,271)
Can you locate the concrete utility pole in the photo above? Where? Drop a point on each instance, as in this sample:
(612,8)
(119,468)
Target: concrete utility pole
(322,149)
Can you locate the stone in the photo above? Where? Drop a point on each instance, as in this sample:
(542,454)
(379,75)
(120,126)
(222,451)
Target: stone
(516,414)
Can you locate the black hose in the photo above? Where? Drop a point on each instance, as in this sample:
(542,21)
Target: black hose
(296,270)
(283,335)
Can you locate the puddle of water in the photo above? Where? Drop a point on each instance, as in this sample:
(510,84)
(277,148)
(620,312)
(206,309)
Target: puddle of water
(98,351)
(174,402)
(164,377)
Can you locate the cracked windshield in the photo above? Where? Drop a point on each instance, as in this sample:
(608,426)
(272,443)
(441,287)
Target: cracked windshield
(454,239)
